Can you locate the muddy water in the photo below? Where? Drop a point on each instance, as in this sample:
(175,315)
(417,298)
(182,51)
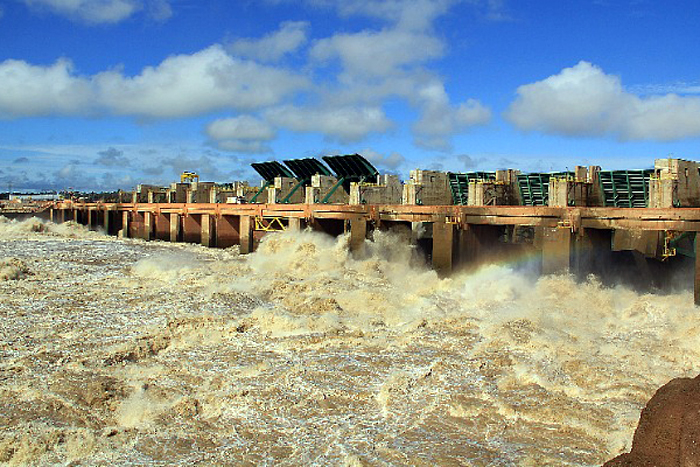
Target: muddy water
(127,352)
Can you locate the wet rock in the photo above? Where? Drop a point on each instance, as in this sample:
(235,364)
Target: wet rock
(668,434)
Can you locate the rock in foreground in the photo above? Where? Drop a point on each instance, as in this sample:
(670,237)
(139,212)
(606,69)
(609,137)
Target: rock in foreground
(668,434)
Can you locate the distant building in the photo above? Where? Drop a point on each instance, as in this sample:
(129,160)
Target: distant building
(42,196)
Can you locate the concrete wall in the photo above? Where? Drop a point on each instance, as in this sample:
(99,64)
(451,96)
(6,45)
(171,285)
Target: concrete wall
(581,190)
(320,186)
(283,186)
(565,192)
(427,187)
(149,194)
(201,192)
(489,194)
(246,193)
(178,192)
(387,190)
(675,184)
(501,192)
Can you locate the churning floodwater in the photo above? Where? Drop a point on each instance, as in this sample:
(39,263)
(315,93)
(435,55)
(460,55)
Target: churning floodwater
(120,351)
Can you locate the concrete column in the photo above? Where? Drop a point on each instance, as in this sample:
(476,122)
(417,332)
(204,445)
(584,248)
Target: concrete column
(90,215)
(246,235)
(147,225)
(105,221)
(358,233)
(443,247)
(174,226)
(294,224)
(207,227)
(556,250)
(75,214)
(697,268)
(52,215)
(124,232)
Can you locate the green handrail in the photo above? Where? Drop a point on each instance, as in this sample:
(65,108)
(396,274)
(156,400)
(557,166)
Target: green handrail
(267,184)
(332,190)
(296,187)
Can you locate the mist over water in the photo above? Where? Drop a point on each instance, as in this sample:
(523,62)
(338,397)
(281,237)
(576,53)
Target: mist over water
(124,351)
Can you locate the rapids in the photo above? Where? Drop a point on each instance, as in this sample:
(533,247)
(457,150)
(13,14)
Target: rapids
(120,351)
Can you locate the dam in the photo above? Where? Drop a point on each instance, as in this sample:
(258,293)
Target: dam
(125,351)
(577,222)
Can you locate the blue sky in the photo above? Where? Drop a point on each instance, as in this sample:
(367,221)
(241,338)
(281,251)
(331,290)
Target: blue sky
(105,94)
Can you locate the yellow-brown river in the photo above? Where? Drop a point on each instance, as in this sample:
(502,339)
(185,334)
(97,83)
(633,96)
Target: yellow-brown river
(124,352)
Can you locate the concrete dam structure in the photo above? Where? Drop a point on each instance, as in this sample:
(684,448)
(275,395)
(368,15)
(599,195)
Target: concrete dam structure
(580,222)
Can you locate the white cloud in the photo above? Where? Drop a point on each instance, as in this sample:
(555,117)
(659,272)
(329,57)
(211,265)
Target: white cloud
(377,65)
(90,11)
(243,127)
(584,101)
(103,11)
(409,14)
(244,134)
(378,53)
(366,70)
(391,161)
(29,90)
(112,157)
(187,85)
(160,10)
(346,124)
(439,119)
(180,86)
(273,46)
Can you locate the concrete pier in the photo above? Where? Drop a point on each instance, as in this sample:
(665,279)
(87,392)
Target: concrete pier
(358,234)
(207,234)
(294,224)
(174,227)
(443,247)
(124,231)
(246,234)
(697,270)
(147,230)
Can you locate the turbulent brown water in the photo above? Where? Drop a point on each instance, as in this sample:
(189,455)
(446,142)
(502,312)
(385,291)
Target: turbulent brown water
(150,353)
